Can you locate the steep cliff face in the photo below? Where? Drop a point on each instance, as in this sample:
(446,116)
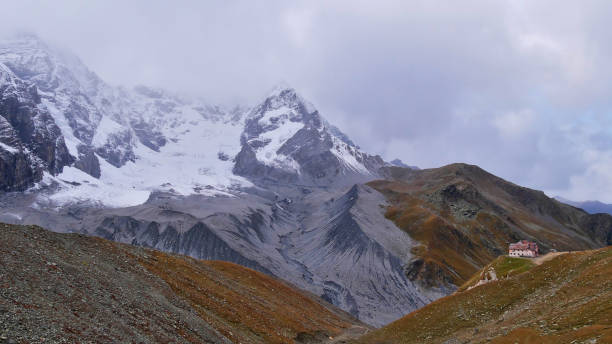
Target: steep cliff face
(87,109)
(30,141)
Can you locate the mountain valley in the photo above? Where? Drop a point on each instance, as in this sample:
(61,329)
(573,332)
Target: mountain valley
(274,188)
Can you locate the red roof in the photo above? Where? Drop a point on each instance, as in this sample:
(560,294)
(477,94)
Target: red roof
(524,245)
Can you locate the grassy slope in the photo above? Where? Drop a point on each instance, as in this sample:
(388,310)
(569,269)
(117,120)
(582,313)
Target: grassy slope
(447,245)
(245,305)
(443,245)
(76,288)
(465,217)
(504,267)
(565,299)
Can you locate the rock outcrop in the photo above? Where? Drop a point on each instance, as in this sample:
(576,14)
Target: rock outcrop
(285,140)
(30,141)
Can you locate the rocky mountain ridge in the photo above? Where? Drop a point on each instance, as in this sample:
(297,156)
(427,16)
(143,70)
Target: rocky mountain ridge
(592,207)
(286,140)
(275,188)
(112,132)
(463,217)
(30,141)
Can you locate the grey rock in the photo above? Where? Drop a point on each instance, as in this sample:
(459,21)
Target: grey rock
(335,243)
(308,154)
(148,135)
(400,163)
(37,143)
(88,161)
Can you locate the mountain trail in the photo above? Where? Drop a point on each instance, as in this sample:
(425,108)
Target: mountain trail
(353,332)
(546,257)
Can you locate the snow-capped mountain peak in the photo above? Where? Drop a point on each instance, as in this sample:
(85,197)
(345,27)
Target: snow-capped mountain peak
(285,138)
(48,67)
(189,176)
(122,144)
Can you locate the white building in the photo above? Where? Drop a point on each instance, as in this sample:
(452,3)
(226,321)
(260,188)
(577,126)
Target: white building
(523,248)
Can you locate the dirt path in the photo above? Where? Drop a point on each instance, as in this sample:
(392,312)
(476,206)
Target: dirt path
(358,331)
(352,333)
(541,259)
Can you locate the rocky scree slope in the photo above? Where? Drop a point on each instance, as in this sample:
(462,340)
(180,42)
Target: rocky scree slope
(464,217)
(565,300)
(72,288)
(250,186)
(334,243)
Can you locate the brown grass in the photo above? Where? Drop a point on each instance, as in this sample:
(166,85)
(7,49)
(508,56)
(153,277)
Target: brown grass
(504,267)
(242,304)
(567,298)
(454,248)
(431,206)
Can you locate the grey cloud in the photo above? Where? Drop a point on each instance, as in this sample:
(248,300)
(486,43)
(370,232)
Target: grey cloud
(520,88)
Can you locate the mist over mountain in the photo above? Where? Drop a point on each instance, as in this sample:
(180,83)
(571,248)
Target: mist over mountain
(112,135)
(305,172)
(272,186)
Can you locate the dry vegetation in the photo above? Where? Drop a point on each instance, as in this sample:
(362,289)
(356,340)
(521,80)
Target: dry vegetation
(246,306)
(465,217)
(449,254)
(72,288)
(503,266)
(565,300)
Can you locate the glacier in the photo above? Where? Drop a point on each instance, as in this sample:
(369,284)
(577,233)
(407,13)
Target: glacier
(273,186)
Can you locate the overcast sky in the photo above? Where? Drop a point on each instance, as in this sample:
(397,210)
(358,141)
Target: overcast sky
(521,88)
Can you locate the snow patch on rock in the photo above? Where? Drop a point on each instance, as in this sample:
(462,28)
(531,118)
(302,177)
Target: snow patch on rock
(347,156)
(274,140)
(105,128)
(8,148)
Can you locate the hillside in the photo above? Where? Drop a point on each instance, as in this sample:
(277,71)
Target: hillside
(273,187)
(76,288)
(567,299)
(464,217)
(501,268)
(250,184)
